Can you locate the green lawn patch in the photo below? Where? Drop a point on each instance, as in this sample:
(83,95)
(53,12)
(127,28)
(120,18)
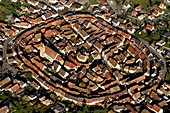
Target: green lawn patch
(168,77)
(144,3)
(91,2)
(7,8)
(81,84)
(90,58)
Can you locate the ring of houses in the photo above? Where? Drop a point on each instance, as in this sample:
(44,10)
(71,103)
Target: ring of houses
(84,59)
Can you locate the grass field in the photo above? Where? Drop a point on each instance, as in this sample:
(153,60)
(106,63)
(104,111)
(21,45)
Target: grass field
(91,2)
(145,3)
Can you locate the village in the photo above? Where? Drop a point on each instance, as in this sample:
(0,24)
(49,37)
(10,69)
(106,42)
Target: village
(91,59)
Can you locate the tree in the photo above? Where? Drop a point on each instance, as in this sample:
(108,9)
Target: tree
(7,7)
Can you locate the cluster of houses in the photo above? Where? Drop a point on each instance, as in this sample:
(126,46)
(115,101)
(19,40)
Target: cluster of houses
(121,69)
(85,58)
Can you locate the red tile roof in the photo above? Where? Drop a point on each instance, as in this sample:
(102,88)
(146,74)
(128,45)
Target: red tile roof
(134,13)
(48,33)
(15,88)
(156,108)
(149,27)
(50,52)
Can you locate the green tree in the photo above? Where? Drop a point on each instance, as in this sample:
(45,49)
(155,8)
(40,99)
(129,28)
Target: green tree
(7,7)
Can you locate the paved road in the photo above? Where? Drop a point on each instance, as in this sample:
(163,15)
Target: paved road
(6,67)
(135,18)
(114,6)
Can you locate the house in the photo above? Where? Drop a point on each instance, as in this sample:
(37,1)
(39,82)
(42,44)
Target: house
(136,96)
(52,1)
(98,46)
(97,69)
(63,73)
(91,77)
(161,43)
(68,65)
(39,64)
(58,108)
(134,13)
(71,57)
(22,25)
(131,50)
(35,85)
(83,34)
(5,81)
(106,17)
(46,102)
(85,79)
(120,57)
(15,88)
(114,89)
(109,40)
(118,75)
(138,79)
(125,35)
(129,107)
(167,35)
(69,3)
(115,22)
(157,11)
(81,58)
(50,54)
(138,8)
(33,10)
(63,1)
(118,108)
(76,25)
(151,17)
(130,29)
(112,62)
(126,6)
(76,6)
(154,95)
(142,55)
(141,17)
(130,61)
(48,33)
(149,27)
(34,3)
(103,2)
(155,108)
(162,6)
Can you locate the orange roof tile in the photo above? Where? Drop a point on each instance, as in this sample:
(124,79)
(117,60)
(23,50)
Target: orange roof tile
(134,13)
(50,52)
(156,108)
(48,33)
(43,30)
(69,64)
(15,88)
(89,100)
(58,58)
(51,88)
(142,56)
(149,27)
(66,89)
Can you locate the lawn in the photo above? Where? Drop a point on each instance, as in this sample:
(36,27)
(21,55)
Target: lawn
(168,77)
(91,2)
(146,3)
(7,7)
